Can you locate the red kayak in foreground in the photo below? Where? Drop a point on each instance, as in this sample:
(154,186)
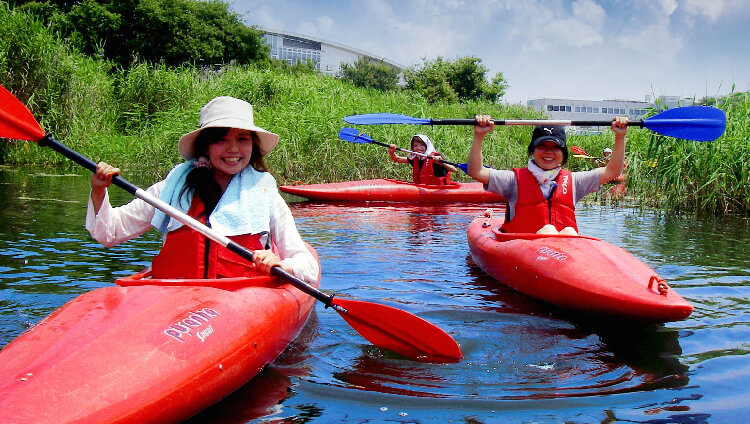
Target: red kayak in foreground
(578,273)
(148,350)
(389,190)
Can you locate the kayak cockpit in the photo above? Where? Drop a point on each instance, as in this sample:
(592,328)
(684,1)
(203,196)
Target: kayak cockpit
(143,278)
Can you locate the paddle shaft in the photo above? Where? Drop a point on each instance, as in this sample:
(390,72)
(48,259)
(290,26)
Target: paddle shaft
(191,222)
(509,122)
(414,153)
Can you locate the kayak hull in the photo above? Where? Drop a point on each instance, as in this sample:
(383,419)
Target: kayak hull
(147,353)
(578,273)
(393,191)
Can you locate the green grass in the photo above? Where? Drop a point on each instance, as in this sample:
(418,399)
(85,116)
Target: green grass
(133,120)
(688,176)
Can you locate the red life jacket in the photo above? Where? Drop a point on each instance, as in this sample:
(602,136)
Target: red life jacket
(189,254)
(533,211)
(426,174)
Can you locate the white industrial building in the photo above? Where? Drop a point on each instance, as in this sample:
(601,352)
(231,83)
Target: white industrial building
(326,56)
(590,110)
(603,110)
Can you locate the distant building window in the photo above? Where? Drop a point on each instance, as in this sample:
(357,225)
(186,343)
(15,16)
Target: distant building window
(589,110)
(549,107)
(567,108)
(596,110)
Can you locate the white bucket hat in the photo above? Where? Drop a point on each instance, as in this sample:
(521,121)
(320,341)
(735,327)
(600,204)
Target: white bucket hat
(227,112)
(429,148)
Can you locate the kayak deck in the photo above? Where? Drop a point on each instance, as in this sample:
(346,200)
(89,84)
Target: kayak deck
(579,273)
(385,189)
(158,352)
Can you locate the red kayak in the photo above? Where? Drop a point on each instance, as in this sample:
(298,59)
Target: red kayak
(579,273)
(394,191)
(148,350)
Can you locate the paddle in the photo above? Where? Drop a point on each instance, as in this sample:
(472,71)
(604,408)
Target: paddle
(699,123)
(583,155)
(356,136)
(384,326)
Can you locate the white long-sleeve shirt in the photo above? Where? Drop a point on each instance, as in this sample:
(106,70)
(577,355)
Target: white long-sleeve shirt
(115,225)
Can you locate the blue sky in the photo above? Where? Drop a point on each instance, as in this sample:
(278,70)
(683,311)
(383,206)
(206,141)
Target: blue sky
(578,49)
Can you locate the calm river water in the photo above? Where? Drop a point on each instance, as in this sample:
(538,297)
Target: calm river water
(524,360)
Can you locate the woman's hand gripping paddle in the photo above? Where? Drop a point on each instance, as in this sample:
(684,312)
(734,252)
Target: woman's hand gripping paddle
(384,326)
(699,123)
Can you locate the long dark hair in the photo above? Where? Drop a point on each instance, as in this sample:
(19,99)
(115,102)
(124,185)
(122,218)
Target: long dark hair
(200,181)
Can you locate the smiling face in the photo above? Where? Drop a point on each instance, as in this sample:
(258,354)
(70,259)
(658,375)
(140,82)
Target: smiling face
(418,145)
(231,153)
(548,155)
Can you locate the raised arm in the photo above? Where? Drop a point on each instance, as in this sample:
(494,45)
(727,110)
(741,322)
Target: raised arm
(476,165)
(617,159)
(394,157)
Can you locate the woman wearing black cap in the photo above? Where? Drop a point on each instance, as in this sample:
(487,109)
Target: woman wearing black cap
(542,196)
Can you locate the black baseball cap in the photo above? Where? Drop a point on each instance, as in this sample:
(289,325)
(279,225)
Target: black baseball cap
(554,133)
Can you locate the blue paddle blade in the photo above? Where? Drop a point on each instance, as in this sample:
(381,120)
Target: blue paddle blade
(355,136)
(699,123)
(385,118)
(465,167)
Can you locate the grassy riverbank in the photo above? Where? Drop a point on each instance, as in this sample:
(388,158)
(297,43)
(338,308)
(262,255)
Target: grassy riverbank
(133,120)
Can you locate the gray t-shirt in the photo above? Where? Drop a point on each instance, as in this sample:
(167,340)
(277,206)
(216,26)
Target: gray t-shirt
(503,182)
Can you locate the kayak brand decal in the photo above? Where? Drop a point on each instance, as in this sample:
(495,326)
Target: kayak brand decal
(184,327)
(547,253)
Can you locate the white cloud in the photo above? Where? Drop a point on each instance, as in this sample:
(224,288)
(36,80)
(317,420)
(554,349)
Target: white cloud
(322,27)
(667,6)
(263,16)
(549,28)
(710,10)
(655,43)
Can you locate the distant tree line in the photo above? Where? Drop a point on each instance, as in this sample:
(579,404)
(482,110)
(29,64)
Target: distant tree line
(171,32)
(207,33)
(438,80)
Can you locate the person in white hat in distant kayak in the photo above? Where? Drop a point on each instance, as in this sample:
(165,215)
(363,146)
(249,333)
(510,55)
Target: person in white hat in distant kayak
(425,170)
(542,196)
(223,183)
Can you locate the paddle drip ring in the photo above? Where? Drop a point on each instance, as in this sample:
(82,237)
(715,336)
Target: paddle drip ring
(661,284)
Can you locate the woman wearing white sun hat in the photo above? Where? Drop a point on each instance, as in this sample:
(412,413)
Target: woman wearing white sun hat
(223,183)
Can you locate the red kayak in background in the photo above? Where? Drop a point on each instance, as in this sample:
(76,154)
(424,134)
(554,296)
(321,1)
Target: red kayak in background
(578,273)
(148,350)
(390,190)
